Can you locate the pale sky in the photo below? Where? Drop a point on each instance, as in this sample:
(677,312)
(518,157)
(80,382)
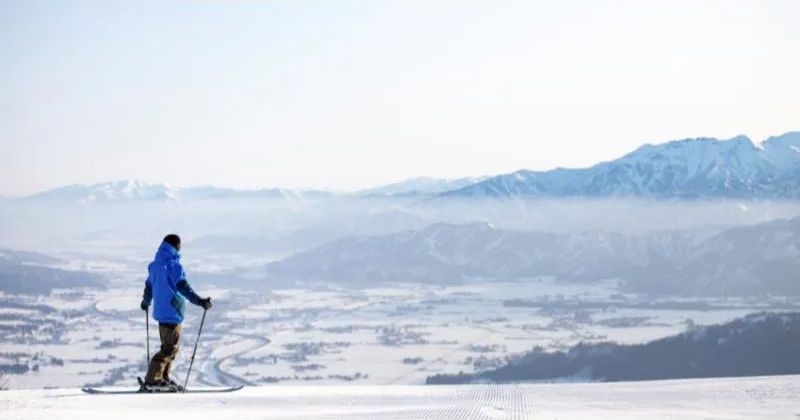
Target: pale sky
(351,94)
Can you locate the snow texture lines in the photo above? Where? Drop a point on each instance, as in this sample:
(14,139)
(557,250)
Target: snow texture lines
(478,402)
(729,398)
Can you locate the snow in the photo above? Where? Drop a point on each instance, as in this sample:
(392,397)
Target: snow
(701,167)
(137,190)
(729,398)
(441,325)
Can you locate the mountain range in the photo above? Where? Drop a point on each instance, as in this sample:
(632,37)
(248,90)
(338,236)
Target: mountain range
(136,190)
(764,258)
(690,168)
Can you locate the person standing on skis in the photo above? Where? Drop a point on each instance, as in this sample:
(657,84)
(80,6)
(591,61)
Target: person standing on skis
(167,287)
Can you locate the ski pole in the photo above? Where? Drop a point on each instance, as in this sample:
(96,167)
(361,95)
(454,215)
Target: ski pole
(147,327)
(191,362)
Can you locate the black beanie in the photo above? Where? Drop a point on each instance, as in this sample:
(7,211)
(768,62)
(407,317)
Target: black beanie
(173,240)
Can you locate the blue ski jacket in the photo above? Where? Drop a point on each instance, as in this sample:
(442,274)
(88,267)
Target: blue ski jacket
(166,285)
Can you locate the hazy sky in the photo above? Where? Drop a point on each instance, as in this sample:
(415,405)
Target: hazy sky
(349,94)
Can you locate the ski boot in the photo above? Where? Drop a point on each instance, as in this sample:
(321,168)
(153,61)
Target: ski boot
(176,386)
(160,386)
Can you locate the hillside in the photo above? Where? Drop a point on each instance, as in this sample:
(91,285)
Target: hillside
(759,344)
(738,261)
(772,398)
(29,273)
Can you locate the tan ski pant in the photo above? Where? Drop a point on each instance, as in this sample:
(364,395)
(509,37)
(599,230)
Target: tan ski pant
(161,363)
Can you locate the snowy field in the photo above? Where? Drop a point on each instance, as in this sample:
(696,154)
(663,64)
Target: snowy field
(771,398)
(377,336)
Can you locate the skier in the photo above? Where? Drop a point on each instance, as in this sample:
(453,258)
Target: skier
(166,285)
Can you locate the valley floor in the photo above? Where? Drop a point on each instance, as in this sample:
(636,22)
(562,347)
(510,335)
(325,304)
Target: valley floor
(728,398)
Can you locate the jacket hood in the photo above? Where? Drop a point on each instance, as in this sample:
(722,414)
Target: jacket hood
(167,252)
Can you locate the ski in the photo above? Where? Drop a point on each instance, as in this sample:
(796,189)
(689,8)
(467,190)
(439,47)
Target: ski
(143,389)
(90,390)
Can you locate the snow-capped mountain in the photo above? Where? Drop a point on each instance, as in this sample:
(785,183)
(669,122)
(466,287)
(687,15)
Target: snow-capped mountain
(135,190)
(755,259)
(420,186)
(128,190)
(691,168)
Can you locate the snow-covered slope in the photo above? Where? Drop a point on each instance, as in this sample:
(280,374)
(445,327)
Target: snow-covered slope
(774,398)
(702,167)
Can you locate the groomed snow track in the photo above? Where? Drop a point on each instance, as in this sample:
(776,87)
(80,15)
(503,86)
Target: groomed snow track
(729,398)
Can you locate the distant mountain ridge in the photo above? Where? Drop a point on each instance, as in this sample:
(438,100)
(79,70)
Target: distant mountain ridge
(136,190)
(740,261)
(691,168)
(29,273)
(420,186)
(126,190)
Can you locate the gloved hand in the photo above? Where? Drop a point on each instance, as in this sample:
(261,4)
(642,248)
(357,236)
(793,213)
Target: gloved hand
(206,303)
(145,305)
